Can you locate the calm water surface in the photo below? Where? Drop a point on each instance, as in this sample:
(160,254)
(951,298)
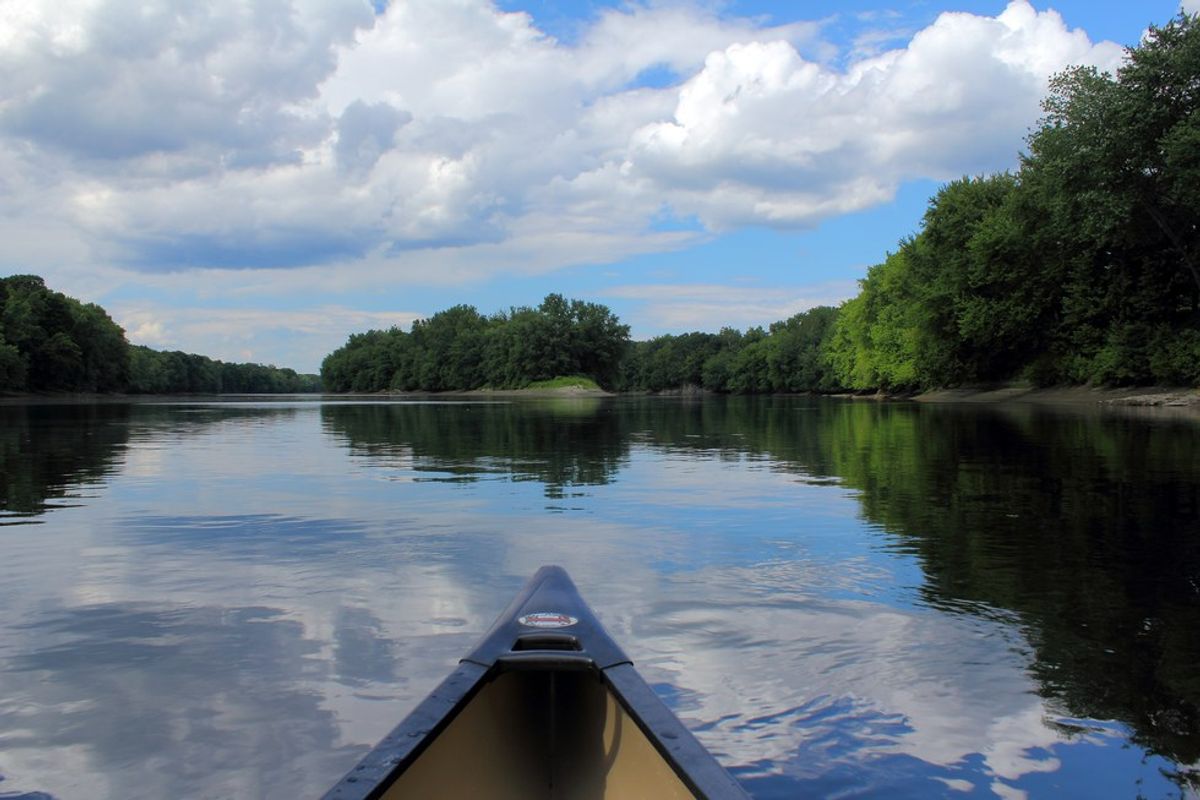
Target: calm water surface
(841,599)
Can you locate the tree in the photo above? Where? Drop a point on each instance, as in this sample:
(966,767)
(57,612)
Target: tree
(876,337)
(979,299)
(599,342)
(12,368)
(104,350)
(62,344)
(797,352)
(1111,177)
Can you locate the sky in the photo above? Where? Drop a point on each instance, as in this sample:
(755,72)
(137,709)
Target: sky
(255,180)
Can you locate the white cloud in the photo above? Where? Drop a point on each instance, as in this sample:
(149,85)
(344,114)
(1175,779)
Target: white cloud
(762,135)
(146,329)
(300,133)
(103,80)
(1191,6)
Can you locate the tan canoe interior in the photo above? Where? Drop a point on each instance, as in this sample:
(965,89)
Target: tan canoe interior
(527,735)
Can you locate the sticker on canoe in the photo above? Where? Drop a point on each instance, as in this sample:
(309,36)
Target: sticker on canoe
(547,619)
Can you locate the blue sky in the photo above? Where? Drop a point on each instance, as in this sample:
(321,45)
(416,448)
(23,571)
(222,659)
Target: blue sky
(256,181)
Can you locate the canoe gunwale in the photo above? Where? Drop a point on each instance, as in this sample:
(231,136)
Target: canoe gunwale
(372,776)
(498,653)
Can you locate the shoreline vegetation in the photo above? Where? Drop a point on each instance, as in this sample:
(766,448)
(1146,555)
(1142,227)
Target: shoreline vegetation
(53,344)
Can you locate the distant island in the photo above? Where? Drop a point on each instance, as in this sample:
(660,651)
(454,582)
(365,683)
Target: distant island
(1082,268)
(53,343)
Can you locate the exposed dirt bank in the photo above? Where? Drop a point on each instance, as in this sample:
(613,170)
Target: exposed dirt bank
(1157,396)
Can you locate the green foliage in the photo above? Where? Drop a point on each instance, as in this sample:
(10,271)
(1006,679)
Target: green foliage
(459,349)
(173,372)
(1084,267)
(1112,207)
(874,341)
(792,356)
(668,362)
(12,367)
(796,352)
(565,382)
(53,343)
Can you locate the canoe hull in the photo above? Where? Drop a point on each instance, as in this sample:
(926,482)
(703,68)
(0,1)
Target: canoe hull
(555,712)
(533,733)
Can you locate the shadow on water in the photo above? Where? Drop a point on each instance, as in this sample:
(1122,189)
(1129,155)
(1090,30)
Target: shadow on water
(558,443)
(48,453)
(1085,525)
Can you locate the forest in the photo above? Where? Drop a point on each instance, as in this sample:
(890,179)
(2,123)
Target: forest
(53,343)
(1082,267)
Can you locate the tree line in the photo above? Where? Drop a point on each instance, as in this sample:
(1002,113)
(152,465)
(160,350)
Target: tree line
(1082,267)
(174,372)
(789,356)
(53,343)
(460,349)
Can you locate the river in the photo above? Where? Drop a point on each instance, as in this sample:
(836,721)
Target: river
(841,599)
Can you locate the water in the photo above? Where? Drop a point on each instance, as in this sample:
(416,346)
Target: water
(841,599)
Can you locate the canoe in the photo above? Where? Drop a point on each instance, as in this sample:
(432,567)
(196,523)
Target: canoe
(546,706)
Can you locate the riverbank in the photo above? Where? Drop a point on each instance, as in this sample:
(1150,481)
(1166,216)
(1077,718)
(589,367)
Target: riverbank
(1140,396)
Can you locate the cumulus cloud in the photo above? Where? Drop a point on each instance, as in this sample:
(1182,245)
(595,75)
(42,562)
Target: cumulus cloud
(114,81)
(303,132)
(762,135)
(365,132)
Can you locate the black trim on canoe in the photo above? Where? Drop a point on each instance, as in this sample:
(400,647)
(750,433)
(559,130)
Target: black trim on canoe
(527,636)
